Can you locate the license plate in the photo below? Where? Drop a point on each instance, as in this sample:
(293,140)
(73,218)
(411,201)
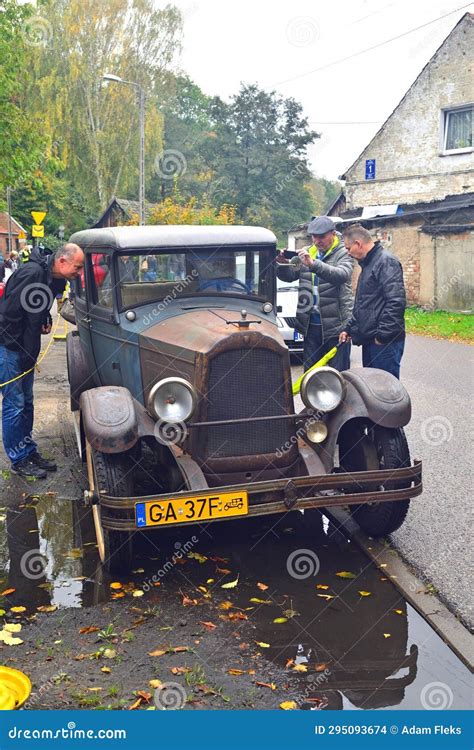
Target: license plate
(297,336)
(191,509)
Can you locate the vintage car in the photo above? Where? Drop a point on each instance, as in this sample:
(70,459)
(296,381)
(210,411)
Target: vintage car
(182,394)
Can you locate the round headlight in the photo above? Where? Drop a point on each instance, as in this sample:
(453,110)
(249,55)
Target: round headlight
(317,432)
(322,389)
(172,400)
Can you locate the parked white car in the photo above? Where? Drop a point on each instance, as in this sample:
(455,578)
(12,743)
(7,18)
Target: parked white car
(287,301)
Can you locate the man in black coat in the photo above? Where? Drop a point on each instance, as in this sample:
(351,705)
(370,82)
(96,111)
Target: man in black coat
(378,317)
(24,316)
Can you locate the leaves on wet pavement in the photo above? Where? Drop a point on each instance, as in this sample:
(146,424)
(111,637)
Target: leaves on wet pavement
(345,574)
(365,593)
(288,705)
(231,584)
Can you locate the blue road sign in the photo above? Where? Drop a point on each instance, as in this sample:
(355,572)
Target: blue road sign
(370,169)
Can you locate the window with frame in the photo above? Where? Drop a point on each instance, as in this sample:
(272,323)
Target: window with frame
(457,135)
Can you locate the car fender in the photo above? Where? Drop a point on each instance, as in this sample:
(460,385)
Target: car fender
(109,419)
(371,394)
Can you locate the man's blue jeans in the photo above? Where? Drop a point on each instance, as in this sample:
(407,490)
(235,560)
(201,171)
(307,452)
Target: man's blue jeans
(17,407)
(384,356)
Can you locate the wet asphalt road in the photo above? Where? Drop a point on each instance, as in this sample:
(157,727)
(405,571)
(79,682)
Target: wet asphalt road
(436,538)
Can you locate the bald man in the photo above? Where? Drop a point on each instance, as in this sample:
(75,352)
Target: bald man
(24,316)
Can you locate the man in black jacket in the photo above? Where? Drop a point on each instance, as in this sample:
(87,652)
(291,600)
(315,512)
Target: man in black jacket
(378,317)
(24,316)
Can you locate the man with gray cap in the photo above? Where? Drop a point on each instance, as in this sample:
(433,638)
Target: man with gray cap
(324,270)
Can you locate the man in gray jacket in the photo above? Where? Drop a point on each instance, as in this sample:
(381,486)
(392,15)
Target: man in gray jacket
(325,295)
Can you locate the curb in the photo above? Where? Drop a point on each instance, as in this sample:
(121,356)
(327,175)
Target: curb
(443,622)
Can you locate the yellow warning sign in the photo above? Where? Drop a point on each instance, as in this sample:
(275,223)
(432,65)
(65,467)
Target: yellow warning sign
(37,230)
(21,235)
(38,217)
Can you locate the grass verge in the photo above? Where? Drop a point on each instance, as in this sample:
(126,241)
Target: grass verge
(440,324)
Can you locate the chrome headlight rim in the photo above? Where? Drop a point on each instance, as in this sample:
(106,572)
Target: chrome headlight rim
(163,382)
(307,379)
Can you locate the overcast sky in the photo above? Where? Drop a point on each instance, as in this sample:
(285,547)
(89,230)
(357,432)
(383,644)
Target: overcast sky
(279,46)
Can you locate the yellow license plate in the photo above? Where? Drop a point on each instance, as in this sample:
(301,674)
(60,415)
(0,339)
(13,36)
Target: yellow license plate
(191,509)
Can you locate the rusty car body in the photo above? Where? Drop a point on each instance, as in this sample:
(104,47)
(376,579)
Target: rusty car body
(178,368)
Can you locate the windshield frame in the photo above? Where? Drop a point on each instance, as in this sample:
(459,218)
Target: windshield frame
(132,252)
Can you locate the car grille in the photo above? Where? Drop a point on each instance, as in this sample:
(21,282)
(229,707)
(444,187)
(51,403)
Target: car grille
(246,383)
(290,322)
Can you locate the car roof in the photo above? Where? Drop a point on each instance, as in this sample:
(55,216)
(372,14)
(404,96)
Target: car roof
(133,237)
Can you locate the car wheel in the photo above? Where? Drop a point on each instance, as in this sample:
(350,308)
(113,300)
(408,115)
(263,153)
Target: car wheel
(111,473)
(377,448)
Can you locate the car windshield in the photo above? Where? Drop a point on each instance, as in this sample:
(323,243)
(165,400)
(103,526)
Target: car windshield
(159,275)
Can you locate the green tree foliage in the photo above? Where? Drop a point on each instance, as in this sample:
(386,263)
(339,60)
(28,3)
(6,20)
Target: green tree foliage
(323,193)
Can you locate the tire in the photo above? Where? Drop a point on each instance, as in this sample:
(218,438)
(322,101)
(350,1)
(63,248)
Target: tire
(384,448)
(77,369)
(113,475)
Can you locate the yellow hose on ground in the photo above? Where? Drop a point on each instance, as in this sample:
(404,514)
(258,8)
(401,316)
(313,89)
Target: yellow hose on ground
(320,363)
(40,358)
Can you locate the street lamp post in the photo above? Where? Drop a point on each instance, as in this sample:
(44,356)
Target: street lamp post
(141,161)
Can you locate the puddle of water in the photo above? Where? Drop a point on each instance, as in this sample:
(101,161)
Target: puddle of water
(361,644)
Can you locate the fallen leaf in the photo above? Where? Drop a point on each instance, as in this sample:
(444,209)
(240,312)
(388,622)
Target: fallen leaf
(288,705)
(398,611)
(89,629)
(157,652)
(203,589)
(279,620)
(225,605)
(135,705)
(327,597)
(109,653)
(322,586)
(145,695)
(179,649)
(260,601)
(117,595)
(236,671)
(137,593)
(210,580)
(217,559)
(8,639)
(180,670)
(262,586)
(139,570)
(365,593)
(300,668)
(208,625)
(94,689)
(387,635)
(12,627)
(383,565)
(155,684)
(262,644)
(75,554)
(7,591)
(47,608)
(383,578)
(2,612)
(17,609)
(320,667)
(345,574)
(106,670)
(115,585)
(223,571)
(289,663)
(231,584)
(197,556)
(234,616)
(270,685)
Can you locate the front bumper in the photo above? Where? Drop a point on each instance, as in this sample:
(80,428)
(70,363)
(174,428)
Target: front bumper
(282,495)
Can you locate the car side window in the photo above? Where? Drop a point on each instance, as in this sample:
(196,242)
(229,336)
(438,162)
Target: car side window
(102,279)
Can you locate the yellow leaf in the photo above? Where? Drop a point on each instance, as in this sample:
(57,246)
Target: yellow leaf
(262,644)
(157,652)
(387,635)
(197,556)
(110,653)
(322,587)
(300,668)
(383,565)
(231,584)
(47,608)
(327,597)
(106,670)
(155,684)
(12,627)
(210,580)
(117,595)
(279,620)
(345,574)
(137,593)
(115,585)
(398,611)
(225,605)
(236,671)
(260,601)
(17,609)
(139,570)
(365,593)
(288,705)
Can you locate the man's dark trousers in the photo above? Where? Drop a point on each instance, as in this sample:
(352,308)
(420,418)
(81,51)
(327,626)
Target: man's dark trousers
(17,407)
(384,356)
(314,349)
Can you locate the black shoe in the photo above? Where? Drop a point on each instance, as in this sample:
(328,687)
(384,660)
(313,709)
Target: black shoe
(42,462)
(28,470)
